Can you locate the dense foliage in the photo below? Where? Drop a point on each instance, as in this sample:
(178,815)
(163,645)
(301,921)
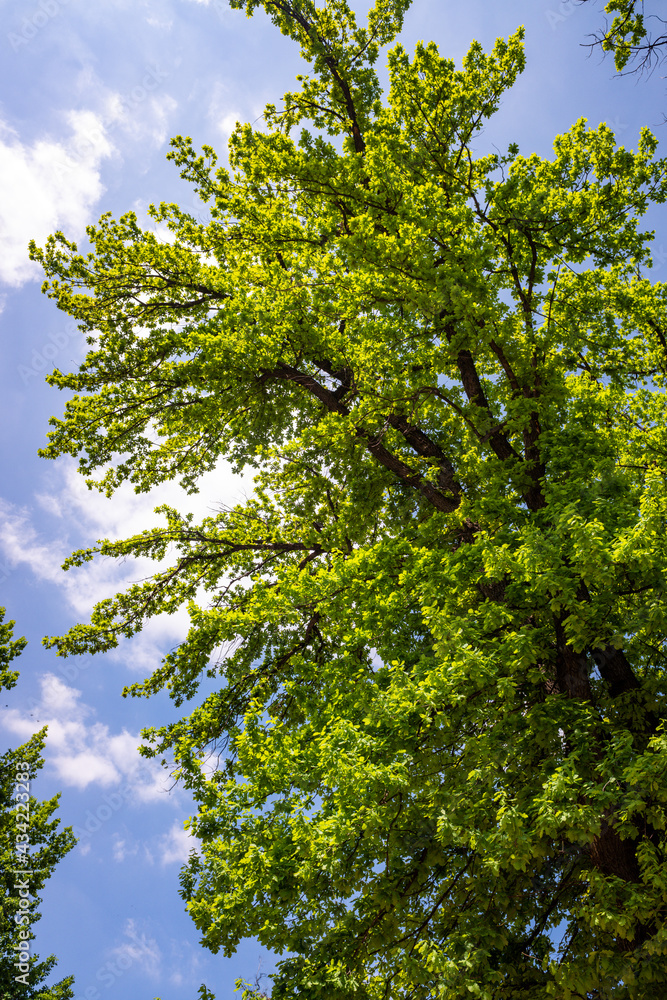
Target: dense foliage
(30,847)
(434,761)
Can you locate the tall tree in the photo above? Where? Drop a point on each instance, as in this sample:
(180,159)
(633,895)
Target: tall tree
(435,762)
(30,847)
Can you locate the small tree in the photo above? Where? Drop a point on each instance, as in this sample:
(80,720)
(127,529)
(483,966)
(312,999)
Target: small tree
(435,762)
(30,848)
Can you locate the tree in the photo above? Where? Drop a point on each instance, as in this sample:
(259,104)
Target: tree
(628,36)
(434,764)
(30,848)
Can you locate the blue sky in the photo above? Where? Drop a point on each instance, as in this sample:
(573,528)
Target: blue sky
(90,95)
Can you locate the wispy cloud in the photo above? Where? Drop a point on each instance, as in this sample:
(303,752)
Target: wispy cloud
(175,846)
(226,106)
(78,516)
(122,850)
(138,949)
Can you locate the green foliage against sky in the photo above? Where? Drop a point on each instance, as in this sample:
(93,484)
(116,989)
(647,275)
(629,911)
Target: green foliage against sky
(434,762)
(10,648)
(30,848)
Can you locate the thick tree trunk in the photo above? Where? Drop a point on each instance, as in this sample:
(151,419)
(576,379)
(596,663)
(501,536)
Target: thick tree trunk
(613,856)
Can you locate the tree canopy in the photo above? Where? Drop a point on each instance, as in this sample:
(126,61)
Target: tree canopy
(434,761)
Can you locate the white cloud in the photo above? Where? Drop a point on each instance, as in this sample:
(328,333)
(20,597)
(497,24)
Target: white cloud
(83,751)
(122,849)
(22,544)
(83,769)
(173,847)
(52,185)
(166,24)
(176,845)
(143,118)
(181,964)
(119,852)
(128,512)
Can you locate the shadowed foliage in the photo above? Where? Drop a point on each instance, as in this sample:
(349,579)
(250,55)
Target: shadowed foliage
(434,761)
